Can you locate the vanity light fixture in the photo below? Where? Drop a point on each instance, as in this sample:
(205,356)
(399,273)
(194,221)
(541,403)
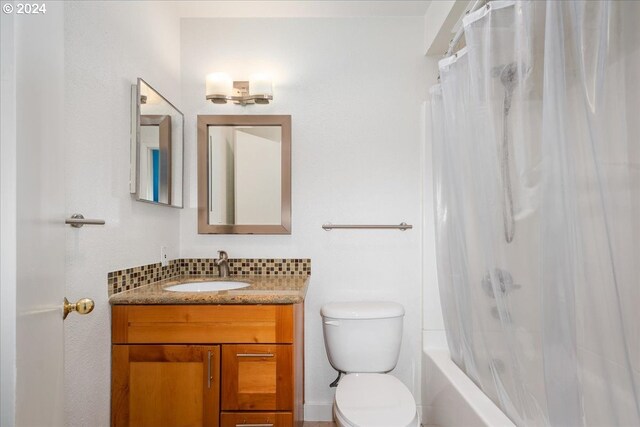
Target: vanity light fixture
(220,89)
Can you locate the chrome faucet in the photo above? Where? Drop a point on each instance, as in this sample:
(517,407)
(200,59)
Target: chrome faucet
(222,263)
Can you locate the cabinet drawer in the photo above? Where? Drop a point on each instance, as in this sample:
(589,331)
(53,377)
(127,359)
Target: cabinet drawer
(257,377)
(266,419)
(201,324)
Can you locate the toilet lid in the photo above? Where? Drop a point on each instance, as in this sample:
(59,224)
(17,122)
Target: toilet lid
(371,400)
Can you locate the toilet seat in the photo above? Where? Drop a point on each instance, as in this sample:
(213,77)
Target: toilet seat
(374,400)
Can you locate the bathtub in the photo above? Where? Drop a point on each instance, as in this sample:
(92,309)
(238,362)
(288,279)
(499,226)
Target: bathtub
(450,398)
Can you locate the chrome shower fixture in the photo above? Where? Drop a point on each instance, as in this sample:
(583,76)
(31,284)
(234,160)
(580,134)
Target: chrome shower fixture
(509,78)
(503,280)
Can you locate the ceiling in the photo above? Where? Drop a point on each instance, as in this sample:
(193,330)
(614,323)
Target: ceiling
(299,8)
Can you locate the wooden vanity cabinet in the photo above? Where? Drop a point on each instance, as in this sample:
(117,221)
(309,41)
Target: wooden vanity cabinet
(207,365)
(172,385)
(257,377)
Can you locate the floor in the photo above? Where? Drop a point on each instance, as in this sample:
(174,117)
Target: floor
(319,424)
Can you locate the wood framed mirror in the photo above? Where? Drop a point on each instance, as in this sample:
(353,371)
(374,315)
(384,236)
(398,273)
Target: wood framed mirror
(244,174)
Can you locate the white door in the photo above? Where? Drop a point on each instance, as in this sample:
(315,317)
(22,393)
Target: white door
(257,178)
(32,175)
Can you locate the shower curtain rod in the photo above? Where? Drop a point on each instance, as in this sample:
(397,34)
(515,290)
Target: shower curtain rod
(456,39)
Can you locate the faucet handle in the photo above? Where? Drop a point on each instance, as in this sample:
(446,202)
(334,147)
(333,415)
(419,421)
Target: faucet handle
(223,255)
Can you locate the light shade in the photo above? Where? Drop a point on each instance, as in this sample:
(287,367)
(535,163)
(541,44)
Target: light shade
(260,84)
(219,84)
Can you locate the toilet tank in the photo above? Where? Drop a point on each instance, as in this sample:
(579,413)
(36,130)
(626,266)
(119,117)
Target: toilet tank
(362,336)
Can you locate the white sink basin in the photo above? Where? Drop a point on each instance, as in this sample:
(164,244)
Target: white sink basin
(221,285)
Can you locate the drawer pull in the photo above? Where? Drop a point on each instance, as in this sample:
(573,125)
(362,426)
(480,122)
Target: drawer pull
(209,369)
(255,355)
(254,425)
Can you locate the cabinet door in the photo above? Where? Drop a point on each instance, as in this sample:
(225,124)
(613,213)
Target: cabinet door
(165,385)
(257,377)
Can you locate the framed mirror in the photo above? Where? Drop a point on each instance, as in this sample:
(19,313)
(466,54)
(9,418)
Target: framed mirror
(157,147)
(244,174)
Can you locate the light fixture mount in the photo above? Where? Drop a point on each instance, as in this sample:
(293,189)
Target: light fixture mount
(241,95)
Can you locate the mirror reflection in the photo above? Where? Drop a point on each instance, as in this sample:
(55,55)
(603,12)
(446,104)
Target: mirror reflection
(244,174)
(157,151)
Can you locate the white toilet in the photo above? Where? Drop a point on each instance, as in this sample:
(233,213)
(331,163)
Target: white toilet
(363,340)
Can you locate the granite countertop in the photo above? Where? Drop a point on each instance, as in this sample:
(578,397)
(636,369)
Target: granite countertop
(263,290)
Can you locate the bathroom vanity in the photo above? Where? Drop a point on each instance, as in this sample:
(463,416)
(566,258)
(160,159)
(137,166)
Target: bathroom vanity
(228,358)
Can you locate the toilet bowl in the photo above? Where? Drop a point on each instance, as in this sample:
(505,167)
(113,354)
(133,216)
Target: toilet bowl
(363,340)
(374,400)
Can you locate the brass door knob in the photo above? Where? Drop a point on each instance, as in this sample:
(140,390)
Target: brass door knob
(83,306)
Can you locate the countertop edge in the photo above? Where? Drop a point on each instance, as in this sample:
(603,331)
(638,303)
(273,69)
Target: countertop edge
(252,301)
(153,294)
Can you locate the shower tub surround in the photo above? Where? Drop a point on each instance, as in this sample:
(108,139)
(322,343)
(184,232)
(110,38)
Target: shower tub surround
(264,274)
(537,202)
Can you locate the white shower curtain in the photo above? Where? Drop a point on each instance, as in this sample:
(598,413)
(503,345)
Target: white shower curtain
(536,140)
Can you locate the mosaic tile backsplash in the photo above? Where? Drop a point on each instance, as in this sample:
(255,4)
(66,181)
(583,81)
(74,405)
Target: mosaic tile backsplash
(131,278)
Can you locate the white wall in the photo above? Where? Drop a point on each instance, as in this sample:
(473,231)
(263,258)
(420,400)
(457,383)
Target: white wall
(107,46)
(440,26)
(354,87)
(7,222)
